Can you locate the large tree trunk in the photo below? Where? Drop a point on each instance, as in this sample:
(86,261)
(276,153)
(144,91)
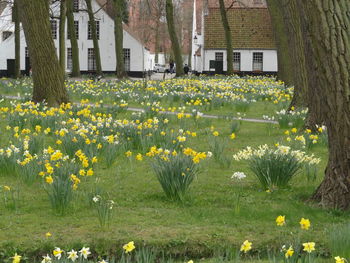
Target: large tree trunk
(62,35)
(290,45)
(327,25)
(17,40)
(73,40)
(228,37)
(94,37)
(285,67)
(173,37)
(118,34)
(47,74)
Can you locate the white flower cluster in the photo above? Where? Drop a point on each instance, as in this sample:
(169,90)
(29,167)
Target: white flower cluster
(263,150)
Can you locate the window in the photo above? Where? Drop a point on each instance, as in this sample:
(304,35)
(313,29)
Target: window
(258,61)
(76,6)
(97,23)
(54,29)
(91,59)
(219,56)
(69,59)
(76,28)
(236,61)
(26,52)
(6,35)
(126,59)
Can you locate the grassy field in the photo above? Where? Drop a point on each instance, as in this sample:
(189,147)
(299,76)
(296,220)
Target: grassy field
(205,225)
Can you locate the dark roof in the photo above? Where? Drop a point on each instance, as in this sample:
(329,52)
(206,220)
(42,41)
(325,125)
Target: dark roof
(251,28)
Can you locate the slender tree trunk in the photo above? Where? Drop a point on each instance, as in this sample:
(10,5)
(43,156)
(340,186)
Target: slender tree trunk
(17,40)
(73,39)
(228,37)
(118,33)
(62,37)
(94,37)
(47,77)
(327,26)
(173,37)
(156,59)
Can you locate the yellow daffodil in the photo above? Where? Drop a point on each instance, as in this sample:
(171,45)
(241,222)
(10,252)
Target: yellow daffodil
(129,247)
(309,247)
(246,246)
(16,258)
(339,260)
(281,220)
(305,223)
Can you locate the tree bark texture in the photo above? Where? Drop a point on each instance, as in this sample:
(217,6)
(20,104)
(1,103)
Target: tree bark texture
(228,37)
(118,34)
(47,74)
(173,37)
(327,24)
(285,67)
(73,40)
(17,40)
(94,37)
(62,36)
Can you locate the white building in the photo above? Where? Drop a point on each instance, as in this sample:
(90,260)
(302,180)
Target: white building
(136,56)
(252,36)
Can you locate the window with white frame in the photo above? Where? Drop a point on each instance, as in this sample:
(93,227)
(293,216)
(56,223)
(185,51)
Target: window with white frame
(237,61)
(258,58)
(69,59)
(76,6)
(97,23)
(54,29)
(126,52)
(91,59)
(76,29)
(219,56)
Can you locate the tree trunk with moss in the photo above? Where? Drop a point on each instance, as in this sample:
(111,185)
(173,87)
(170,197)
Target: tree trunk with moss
(118,34)
(62,36)
(228,37)
(47,74)
(16,19)
(94,37)
(73,40)
(173,37)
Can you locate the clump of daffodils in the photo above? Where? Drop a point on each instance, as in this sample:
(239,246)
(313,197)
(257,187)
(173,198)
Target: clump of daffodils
(274,167)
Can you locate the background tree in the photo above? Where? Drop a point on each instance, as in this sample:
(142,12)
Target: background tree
(228,37)
(47,74)
(92,24)
(15,18)
(173,37)
(62,36)
(73,39)
(119,12)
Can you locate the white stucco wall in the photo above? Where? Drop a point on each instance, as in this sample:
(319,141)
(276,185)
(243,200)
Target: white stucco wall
(269,59)
(139,56)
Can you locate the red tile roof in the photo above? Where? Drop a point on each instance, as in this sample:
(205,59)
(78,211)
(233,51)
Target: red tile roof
(251,28)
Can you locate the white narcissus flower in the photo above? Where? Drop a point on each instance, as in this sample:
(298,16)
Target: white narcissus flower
(238,175)
(103,261)
(85,252)
(72,255)
(46,259)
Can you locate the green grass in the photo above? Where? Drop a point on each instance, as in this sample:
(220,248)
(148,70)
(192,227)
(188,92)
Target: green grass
(196,228)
